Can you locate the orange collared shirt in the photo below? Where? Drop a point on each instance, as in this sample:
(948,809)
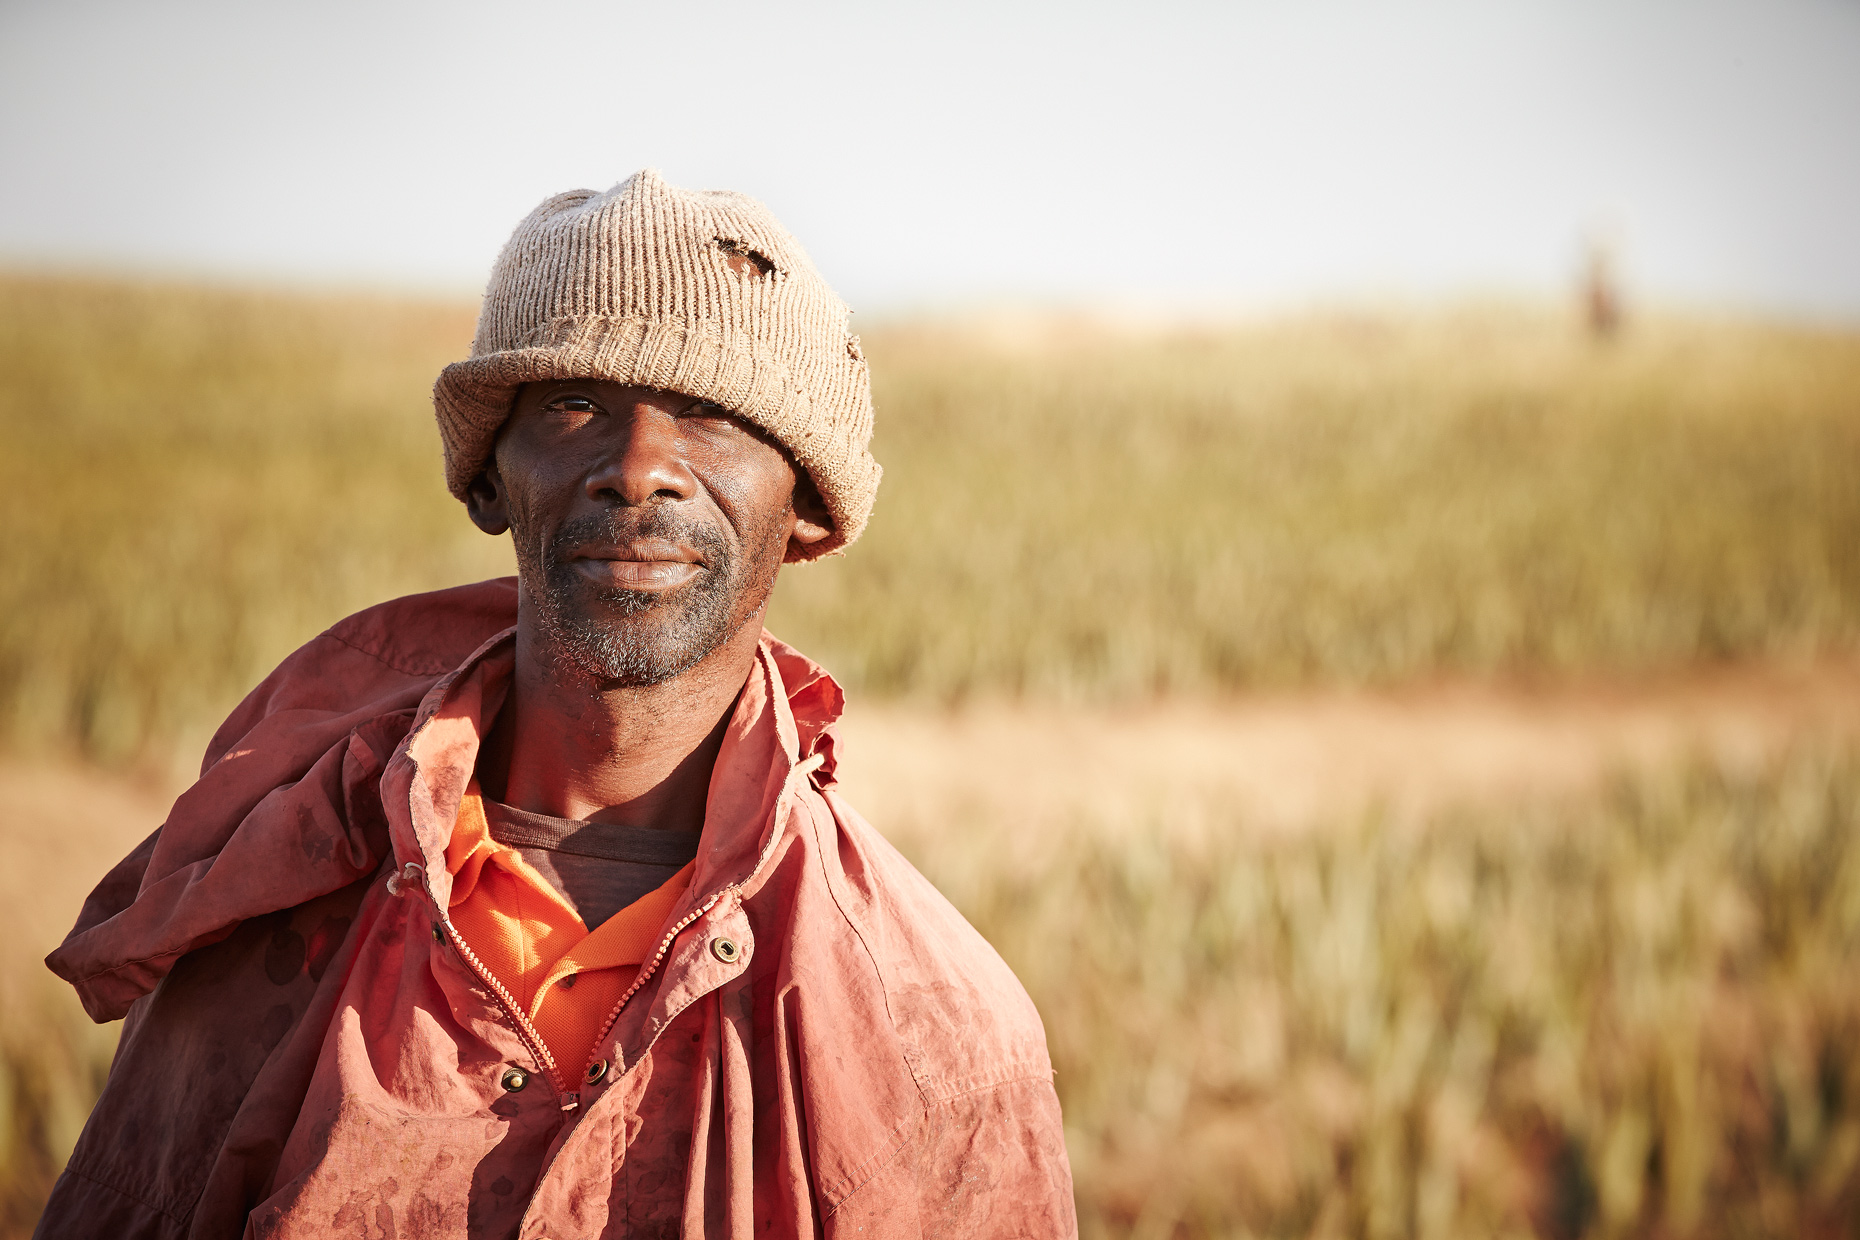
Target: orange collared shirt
(566,978)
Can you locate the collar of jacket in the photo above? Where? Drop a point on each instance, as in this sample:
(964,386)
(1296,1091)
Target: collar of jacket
(781,728)
(297,783)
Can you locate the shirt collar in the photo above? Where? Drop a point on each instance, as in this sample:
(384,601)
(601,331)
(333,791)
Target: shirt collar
(762,746)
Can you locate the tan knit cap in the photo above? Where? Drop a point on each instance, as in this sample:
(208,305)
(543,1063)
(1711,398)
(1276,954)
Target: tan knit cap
(700,292)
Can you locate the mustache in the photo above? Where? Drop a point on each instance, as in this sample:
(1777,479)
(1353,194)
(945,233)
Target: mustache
(659,523)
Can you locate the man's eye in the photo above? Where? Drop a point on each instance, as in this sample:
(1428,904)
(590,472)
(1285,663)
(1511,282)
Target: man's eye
(569,415)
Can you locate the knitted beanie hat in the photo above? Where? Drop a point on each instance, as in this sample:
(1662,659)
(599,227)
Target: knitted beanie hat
(699,292)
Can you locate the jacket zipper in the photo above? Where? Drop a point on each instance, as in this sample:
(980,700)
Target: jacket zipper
(525,1031)
(802,768)
(646,973)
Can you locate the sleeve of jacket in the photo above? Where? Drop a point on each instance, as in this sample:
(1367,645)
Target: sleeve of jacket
(989,1164)
(309,740)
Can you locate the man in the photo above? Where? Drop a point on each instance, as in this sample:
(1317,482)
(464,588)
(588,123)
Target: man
(531,909)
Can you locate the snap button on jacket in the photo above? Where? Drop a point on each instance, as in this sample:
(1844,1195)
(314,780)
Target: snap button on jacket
(820,1046)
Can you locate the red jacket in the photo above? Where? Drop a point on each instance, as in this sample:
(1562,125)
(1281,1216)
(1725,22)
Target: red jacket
(823,1045)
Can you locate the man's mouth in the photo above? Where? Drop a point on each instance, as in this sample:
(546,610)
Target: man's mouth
(648,565)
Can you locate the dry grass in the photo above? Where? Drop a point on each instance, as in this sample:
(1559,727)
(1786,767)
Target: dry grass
(194,481)
(1632,1015)
(1636,1017)
(1637,1014)
(52,1067)
(63,825)
(1346,501)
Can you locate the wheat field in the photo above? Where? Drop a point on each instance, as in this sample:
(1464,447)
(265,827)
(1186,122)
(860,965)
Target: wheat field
(195,481)
(1628,1011)
(1636,1017)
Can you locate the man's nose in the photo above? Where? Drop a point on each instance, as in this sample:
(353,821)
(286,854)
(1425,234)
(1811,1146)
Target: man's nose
(647,464)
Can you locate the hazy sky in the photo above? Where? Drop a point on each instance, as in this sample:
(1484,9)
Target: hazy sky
(952,153)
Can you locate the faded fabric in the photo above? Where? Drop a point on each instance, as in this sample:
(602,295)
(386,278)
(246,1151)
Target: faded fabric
(309,1052)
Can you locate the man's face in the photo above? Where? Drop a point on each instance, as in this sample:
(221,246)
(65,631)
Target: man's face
(648,526)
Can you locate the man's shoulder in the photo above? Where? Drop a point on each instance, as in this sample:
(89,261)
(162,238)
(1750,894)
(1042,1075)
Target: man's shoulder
(378,660)
(430,634)
(964,1019)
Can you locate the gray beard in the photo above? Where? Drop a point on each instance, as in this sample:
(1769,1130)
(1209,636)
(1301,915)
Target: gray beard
(634,638)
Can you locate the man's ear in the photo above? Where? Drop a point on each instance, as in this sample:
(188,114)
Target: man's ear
(484,500)
(812,522)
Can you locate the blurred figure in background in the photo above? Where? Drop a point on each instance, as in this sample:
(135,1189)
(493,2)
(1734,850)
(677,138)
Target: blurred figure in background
(1600,288)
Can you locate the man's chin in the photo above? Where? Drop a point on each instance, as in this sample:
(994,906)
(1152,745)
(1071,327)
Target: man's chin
(624,656)
(643,624)
(633,638)
(612,605)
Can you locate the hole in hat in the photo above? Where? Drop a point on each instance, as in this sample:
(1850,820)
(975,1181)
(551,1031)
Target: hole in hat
(743,260)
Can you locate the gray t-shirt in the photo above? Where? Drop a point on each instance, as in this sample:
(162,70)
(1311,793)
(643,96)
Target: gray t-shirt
(600,867)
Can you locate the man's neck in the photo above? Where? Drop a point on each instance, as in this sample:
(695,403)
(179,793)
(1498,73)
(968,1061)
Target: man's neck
(567,746)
